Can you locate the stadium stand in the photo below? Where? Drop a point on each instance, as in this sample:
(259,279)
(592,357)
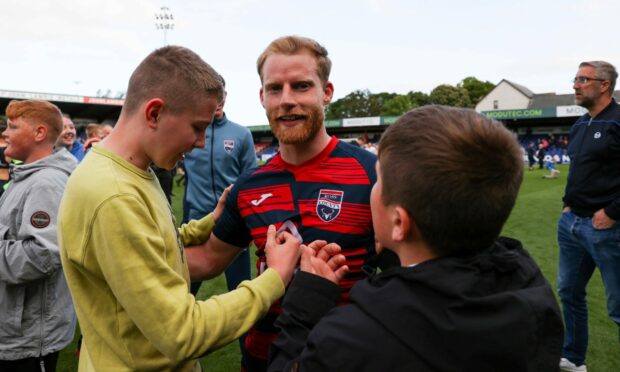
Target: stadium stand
(533,117)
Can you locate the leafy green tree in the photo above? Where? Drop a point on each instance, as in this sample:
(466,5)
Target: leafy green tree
(397,105)
(363,103)
(450,95)
(359,103)
(476,89)
(354,104)
(418,98)
(378,101)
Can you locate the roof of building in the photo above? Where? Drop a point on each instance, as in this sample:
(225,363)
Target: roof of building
(99,109)
(553,100)
(528,93)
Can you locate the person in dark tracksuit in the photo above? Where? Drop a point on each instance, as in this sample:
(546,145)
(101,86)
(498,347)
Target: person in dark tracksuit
(588,234)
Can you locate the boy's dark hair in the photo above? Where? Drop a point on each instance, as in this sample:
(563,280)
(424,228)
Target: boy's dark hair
(456,172)
(175,74)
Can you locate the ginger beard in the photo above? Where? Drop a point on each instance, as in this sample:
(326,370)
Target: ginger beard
(297,134)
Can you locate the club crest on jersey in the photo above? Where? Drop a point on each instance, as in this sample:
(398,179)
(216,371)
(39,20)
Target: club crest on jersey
(329,204)
(229,146)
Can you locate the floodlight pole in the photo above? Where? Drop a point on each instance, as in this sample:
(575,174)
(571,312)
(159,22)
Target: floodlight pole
(164,20)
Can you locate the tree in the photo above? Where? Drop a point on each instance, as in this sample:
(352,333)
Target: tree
(397,105)
(476,88)
(363,103)
(418,98)
(377,102)
(354,104)
(450,95)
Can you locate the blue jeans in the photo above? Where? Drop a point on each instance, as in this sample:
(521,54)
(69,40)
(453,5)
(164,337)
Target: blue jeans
(582,249)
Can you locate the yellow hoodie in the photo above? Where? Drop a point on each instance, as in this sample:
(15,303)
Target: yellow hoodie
(125,265)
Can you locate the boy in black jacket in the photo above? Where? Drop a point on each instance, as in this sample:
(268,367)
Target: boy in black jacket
(463,299)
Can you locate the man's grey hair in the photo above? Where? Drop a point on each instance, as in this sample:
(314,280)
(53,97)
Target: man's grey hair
(604,70)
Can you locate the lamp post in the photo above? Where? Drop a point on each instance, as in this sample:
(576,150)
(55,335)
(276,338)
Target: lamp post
(164,20)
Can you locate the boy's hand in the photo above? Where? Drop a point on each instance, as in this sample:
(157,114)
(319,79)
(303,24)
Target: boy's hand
(221,203)
(324,260)
(282,253)
(90,142)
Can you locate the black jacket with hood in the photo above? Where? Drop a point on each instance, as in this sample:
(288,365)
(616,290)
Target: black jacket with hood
(493,311)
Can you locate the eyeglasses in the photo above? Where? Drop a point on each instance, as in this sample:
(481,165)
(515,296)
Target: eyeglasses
(585,79)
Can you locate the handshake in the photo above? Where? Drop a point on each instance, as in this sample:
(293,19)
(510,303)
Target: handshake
(283,251)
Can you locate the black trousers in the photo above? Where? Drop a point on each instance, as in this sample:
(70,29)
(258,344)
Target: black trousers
(46,363)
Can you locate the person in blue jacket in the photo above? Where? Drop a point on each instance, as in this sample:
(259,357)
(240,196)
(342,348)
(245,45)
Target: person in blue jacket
(68,139)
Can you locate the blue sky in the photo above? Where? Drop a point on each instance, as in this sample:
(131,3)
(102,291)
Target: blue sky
(81,46)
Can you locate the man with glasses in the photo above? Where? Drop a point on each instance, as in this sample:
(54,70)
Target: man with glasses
(588,234)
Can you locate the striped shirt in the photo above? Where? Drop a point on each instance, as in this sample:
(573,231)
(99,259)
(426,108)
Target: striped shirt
(324,198)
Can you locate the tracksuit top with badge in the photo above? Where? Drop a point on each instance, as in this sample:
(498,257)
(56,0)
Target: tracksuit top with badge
(327,198)
(594,150)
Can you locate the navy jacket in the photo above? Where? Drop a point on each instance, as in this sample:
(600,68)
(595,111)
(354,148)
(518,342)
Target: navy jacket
(594,176)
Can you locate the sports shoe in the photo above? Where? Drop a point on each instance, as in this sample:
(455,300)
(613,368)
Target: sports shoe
(567,365)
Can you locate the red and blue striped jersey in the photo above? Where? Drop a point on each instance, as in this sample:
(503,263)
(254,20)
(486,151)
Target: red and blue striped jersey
(327,197)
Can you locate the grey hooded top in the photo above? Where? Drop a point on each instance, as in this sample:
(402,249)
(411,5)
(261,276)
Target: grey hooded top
(36,312)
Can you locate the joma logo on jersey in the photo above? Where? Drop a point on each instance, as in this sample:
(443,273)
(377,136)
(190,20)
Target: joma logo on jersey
(329,204)
(229,145)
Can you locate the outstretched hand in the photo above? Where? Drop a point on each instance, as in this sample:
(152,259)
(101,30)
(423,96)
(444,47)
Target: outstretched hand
(324,260)
(282,253)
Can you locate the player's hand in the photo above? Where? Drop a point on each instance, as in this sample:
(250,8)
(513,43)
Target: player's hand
(221,203)
(600,220)
(324,260)
(282,253)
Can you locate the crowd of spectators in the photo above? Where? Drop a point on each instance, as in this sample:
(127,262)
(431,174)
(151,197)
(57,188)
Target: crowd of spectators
(553,145)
